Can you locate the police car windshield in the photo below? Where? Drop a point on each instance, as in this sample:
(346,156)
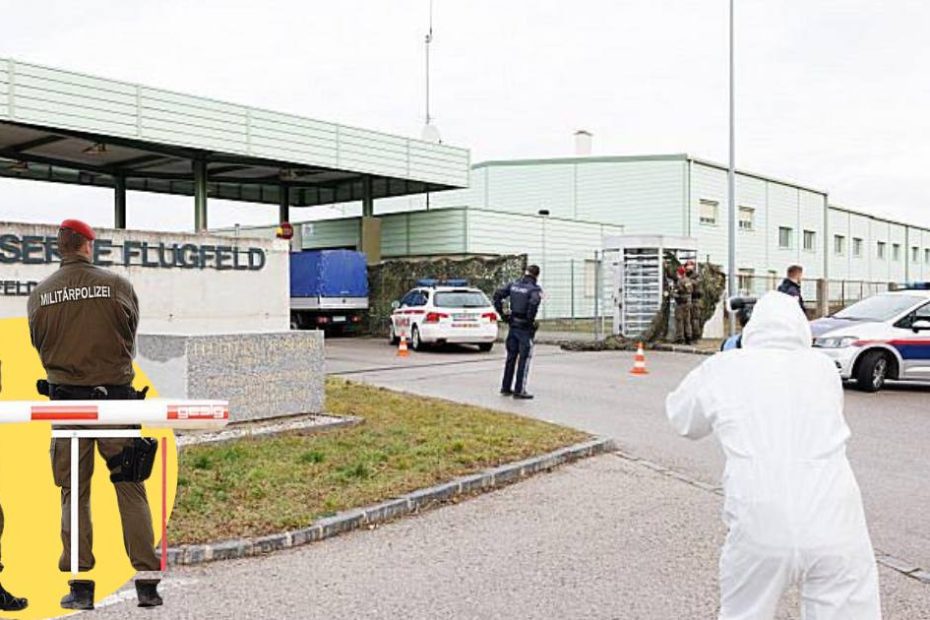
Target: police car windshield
(878,308)
(461,299)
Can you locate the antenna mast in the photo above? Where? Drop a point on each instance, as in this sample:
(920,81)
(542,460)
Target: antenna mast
(429,39)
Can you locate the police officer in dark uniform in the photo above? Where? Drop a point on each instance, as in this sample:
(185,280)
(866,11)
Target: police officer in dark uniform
(82,321)
(791,285)
(525,296)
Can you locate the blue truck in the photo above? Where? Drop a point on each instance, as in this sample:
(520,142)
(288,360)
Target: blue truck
(329,290)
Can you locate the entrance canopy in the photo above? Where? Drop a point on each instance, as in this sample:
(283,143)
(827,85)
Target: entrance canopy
(67,127)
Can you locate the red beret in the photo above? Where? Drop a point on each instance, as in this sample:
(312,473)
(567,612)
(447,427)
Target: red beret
(79,227)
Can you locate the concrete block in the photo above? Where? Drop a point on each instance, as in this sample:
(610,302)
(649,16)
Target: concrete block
(272,542)
(474,483)
(228,550)
(386,511)
(438,493)
(262,375)
(342,522)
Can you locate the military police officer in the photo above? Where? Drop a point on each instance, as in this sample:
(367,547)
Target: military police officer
(8,602)
(525,296)
(82,320)
(682,291)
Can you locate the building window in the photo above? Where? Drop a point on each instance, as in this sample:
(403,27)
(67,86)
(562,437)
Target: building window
(744,281)
(773,279)
(896,252)
(747,217)
(915,254)
(881,250)
(708,212)
(927,256)
(590,279)
(785,235)
(810,239)
(857,247)
(839,245)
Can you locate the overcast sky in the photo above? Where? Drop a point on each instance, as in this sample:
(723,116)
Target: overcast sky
(832,93)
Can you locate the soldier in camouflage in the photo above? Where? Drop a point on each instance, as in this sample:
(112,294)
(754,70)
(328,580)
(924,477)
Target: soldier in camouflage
(697,322)
(682,291)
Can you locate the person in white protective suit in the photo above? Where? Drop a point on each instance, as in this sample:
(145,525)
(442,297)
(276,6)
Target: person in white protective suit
(792,504)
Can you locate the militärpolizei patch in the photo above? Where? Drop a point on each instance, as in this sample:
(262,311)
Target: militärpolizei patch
(75,293)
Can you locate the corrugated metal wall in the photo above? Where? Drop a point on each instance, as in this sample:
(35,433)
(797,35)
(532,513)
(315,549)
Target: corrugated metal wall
(56,98)
(775,205)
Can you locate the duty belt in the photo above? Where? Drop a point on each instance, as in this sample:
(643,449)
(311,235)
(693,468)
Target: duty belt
(88,392)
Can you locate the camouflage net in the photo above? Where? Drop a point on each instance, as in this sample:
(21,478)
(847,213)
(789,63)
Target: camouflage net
(392,279)
(711,283)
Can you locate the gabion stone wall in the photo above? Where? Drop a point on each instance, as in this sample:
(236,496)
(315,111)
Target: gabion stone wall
(391,279)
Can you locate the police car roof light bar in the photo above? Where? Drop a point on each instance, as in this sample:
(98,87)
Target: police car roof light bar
(434,282)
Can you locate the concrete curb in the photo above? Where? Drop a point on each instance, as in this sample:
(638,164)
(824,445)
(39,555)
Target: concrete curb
(411,503)
(249,430)
(632,346)
(906,568)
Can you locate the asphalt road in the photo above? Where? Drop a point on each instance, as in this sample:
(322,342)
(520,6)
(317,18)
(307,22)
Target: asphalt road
(595,392)
(602,539)
(605,538)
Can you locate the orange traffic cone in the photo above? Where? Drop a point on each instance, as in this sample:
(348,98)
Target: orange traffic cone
(402,350)
(639,362)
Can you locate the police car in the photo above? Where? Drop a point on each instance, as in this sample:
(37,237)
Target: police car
(444,312)
(883,337)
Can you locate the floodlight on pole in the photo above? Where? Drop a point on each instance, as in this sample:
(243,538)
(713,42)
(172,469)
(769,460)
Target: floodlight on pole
(731,184)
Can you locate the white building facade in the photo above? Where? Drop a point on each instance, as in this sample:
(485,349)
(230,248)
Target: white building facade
(537,207)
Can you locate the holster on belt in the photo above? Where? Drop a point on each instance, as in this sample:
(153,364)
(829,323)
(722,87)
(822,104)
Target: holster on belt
(135,462)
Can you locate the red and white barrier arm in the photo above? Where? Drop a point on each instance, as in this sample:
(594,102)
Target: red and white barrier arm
(157,412)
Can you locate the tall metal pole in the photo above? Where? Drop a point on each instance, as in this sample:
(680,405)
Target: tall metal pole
(731,183)
(429,39)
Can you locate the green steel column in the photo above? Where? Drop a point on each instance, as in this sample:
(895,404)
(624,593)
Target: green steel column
(284,203)
(200,195)
(119,203)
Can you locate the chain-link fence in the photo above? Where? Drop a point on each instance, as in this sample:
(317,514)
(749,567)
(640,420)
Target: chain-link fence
(820,296)
(579,294)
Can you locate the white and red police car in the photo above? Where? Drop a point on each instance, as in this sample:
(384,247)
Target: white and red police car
(444,312)
(883,337)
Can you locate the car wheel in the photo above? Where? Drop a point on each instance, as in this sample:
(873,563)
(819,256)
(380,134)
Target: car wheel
(393,338)
(872,371)
(415,341)
(484,347)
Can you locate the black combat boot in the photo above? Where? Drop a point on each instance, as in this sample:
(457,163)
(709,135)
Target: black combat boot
(81,595)
(8,602)
(147,593)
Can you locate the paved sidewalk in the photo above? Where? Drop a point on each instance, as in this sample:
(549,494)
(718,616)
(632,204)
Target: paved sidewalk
(603,539)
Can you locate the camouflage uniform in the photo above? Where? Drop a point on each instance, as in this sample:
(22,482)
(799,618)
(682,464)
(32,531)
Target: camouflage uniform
(697,322)
(683,290)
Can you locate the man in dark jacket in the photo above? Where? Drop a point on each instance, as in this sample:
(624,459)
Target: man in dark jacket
(525,296)
(791,285)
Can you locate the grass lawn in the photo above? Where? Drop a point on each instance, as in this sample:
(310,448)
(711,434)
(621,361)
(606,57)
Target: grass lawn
(251,487)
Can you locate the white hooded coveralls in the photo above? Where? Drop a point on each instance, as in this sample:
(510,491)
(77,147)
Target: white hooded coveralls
(792,504)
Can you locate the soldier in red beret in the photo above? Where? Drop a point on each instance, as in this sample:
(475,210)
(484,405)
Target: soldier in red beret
(82,321)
